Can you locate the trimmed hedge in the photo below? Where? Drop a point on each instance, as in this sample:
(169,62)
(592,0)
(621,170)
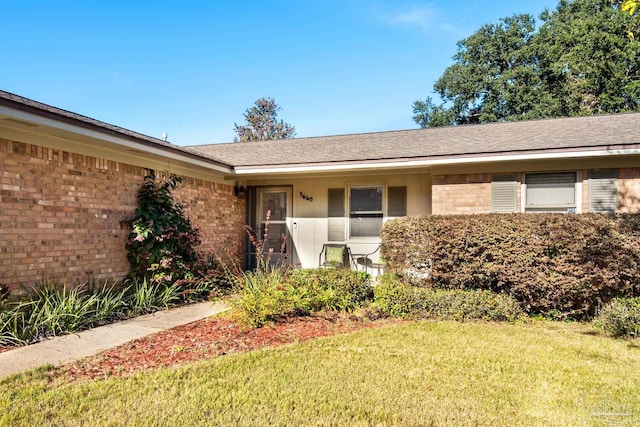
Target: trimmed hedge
(552,264)
(400,300)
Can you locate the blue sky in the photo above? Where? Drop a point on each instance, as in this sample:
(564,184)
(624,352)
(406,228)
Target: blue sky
(191,68)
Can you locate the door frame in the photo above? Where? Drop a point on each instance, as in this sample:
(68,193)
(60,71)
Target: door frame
(256,218)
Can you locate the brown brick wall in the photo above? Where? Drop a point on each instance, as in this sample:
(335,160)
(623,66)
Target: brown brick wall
(628,190)
(61,214)
(585,190)
(628,184)
(471,193)
(461,194)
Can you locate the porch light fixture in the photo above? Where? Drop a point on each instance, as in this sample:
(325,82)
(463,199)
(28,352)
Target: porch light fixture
(240,191)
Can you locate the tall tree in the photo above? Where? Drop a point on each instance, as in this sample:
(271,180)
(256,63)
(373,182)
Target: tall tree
(587,59)
(579,61)
(631,7)
(496,76)
(427,114)
(262,123)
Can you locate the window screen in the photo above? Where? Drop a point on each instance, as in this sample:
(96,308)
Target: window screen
(336,215)
(603,191)
(551,192)
(503,193)
(365,211)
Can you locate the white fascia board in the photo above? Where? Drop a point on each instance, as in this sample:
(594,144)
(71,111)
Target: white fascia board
(145,148)
(436,162)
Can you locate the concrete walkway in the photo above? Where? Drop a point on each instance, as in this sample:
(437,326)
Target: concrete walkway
(60,350)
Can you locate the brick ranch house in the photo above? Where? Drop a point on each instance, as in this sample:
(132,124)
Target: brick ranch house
(68,181)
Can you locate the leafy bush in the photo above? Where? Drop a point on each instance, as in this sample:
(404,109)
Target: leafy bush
(621,317)
(406,301)
(271,294)
(162,241)
(550,263)
(334,288)
(275,291)
(264,296)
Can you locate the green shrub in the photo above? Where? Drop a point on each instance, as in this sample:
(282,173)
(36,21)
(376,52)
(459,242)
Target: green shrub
(274,290)
(621,317)
(406,301)
(264,295)
(550,263)
(272,294)
(395,298)
(333,288)
(162,241)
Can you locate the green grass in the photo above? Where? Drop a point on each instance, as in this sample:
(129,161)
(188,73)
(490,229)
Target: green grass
(425,373)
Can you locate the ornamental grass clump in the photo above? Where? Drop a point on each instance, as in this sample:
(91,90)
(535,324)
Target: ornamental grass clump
(144,296)
(52,309)
(620,318)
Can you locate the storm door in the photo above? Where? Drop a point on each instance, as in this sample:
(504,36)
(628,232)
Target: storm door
(273,213)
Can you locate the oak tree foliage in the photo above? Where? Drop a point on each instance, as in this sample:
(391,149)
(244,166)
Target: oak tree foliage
(578,60)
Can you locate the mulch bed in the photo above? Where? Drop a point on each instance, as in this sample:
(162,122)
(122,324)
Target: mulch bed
(210,338)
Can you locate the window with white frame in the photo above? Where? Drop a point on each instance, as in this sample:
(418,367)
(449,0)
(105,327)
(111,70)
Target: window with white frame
(551,192)
(365,211)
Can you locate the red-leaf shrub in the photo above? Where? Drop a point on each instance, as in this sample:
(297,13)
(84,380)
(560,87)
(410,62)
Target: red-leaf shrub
(553,264)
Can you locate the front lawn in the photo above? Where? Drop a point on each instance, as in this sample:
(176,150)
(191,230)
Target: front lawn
(442,373)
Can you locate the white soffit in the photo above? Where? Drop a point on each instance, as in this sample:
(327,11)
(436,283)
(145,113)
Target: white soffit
(407,163)
(29,119)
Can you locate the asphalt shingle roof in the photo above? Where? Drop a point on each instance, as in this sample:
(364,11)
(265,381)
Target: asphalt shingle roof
(605,132)
(592,132)
(29,105)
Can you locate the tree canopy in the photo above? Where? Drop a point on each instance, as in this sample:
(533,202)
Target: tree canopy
(262,123)
(631,7)
(578,61)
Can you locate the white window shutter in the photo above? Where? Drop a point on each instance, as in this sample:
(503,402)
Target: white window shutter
(503,193)
(603,192)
